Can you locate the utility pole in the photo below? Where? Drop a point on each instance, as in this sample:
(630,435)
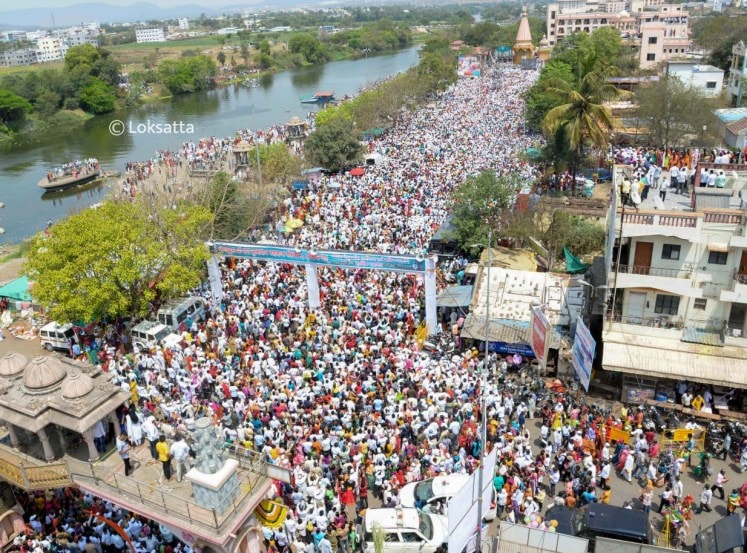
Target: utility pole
(484,403)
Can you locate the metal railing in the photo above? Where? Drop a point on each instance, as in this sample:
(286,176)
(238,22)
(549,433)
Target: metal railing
(684,272)
(660,321)
(218,520)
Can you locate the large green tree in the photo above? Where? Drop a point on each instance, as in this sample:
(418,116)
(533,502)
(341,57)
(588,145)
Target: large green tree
(335,146)
(97,97)
(115,260)
(480,205)
(308,46)
(13,107)
(675,114)
(583,113)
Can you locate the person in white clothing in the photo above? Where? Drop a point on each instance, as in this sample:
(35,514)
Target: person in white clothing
(180,455)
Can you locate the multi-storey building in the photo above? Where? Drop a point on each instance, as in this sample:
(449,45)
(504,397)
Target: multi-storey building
(184,24)
(678,293)
(565,17)
(50,49)
(149,35)
(12,58)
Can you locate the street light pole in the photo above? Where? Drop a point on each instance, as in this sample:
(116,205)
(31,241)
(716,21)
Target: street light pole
(484,403)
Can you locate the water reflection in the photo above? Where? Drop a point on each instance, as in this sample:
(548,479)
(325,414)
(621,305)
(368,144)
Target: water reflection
(96,189)
(304,78)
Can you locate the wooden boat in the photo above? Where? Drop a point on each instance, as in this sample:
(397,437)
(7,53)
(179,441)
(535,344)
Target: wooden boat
(70,178)
(319,98)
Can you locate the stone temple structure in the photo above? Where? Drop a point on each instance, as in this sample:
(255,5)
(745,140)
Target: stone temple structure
(523,47)
(54,394)
(214,479)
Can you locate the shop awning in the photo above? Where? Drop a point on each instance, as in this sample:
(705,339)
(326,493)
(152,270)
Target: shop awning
(17,289)
(455,296)
(656,357)
(503,330)
(718,248)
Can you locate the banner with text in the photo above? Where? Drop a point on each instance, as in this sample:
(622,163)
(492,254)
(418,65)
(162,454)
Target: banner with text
(540,336)
(584,348)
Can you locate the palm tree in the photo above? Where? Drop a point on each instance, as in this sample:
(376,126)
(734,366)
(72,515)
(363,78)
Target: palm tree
(582,114)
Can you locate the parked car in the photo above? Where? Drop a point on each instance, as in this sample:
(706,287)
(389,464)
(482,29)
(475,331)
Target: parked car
(406,530)
(438,491)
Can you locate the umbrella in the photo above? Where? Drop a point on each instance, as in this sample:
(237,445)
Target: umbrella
(294,223)
(357,172)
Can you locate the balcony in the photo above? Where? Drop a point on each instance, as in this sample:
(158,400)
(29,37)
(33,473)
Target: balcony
(737,293)
(674,281)
(673,223)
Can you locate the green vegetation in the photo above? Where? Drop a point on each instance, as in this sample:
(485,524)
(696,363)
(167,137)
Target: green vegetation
(567,102)
(187,74)
(114,261)
(675,114)
(13,109)
(481,205)
(718,32)
(334,146)
(87,81)
(308,47)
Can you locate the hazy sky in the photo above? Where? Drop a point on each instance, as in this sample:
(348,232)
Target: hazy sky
(11,5)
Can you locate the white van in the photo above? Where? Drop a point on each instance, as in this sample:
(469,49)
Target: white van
(405,530)
(175,312)
(56,336)
(147,334)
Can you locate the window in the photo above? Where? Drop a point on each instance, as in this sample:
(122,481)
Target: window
(650,57)
(411,537)
(652,39)
(711,85)
(667,305)
(717,258)
(670,251)
(700,303)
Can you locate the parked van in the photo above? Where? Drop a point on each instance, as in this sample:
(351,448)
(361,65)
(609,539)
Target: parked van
(56,336)
(602,521)
(148,333)
(406,530)
(175,312)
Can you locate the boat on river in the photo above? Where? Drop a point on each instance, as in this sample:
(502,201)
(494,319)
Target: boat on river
(319,98)
(71,175)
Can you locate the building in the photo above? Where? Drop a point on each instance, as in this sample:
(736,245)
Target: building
(14,58)
(149,35)
(50,49)
(705,78)
(678,293)
(523,47)
(565,17)
(664,35)
(735,86)
(732,126)
(228,31)
(184,24)
(14,36)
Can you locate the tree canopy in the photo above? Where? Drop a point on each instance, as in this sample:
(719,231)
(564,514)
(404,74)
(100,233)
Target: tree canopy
(480,205)
(675,113)
(308,46)
(12,107)
(115,260)
(335,146)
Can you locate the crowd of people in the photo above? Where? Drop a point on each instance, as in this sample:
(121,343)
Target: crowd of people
(328,391)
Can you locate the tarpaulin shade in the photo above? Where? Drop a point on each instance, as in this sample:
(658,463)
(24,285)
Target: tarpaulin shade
(17,289)
(357,172)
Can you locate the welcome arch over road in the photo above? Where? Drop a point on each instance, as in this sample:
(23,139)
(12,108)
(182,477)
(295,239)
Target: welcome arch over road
(311,259)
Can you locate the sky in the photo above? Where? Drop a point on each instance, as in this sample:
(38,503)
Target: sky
(11,5)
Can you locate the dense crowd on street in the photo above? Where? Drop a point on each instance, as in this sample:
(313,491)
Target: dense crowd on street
(344,395)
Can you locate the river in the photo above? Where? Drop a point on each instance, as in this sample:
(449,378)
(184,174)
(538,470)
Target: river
(219,112)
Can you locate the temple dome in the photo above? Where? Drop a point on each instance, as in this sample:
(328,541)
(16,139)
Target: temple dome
(12,364)
(77,385)
(43,372)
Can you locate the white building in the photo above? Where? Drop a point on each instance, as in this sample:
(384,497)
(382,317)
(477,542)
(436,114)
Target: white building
(50,49)
(706,78)
(149,35)
(678,293)
(228,31)
(184,24)
(13,58)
